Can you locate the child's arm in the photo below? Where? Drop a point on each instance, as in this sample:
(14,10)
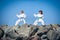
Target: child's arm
(35,15)
(18,16)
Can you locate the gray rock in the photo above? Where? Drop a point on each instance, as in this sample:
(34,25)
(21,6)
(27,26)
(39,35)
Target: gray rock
(1,33)
(28,31)
(51,35)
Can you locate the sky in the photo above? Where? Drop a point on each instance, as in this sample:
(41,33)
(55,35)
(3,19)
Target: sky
(9,9)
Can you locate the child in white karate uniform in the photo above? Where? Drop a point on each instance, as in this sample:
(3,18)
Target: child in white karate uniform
(40,18)
(21,18)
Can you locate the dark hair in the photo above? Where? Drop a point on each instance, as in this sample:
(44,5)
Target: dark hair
(22,11)
(41,11)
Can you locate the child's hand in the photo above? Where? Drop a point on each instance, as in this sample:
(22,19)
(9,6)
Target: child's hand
(35,15)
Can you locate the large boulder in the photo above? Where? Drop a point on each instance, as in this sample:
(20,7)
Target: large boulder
(51,35)
(12,32)
(1,33)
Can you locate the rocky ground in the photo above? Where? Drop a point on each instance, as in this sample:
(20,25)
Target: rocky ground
(30,32)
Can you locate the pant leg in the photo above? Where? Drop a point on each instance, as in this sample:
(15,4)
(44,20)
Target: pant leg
(17,22)
(42,22)
(24,21)
(36,22)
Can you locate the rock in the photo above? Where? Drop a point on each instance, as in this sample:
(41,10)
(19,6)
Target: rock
(8,38)
(58,33)
(24,31)
(44,36)
(12,32)
(31,32)
(1,33)
(12,35)
(34,31)
(4,27)
(51,35)
(24,25)
(35,38)
(19,38)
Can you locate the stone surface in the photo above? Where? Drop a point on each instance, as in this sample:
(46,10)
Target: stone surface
(31,32)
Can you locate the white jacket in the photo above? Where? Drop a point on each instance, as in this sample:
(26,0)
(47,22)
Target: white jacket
(21,15)
(38,15)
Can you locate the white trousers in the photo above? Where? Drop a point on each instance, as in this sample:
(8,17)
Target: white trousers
(19,20)
(40,20)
